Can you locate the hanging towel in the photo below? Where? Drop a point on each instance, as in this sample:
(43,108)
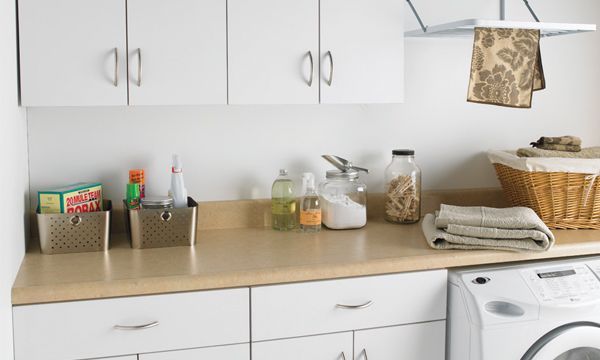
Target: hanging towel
(585,153)
(506,67)
(561,143)
(459,227)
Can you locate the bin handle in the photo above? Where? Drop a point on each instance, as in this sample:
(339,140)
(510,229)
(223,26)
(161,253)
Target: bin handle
(166,215)
(75,220)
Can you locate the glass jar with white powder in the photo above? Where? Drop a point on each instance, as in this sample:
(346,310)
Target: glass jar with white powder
(343,200)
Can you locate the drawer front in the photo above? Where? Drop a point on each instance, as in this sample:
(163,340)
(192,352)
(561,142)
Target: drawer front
(99,328)
(322,347)
(426,341)
(230,352)
(319,307)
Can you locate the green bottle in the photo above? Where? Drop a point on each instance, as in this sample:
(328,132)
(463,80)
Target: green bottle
(283,203)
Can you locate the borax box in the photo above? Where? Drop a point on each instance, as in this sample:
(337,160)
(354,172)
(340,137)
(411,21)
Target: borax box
(76,198)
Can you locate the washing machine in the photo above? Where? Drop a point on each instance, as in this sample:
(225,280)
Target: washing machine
(535,311)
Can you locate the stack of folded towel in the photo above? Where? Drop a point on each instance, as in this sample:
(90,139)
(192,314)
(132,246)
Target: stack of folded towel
(477,227)
(561,143)
(562,147)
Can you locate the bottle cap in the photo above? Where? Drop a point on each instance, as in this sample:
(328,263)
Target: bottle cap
(308,181)
(404,152)
(283,172)
(133,191)
(177,165)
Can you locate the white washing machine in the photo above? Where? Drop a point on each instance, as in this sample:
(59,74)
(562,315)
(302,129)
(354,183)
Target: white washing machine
(537,311)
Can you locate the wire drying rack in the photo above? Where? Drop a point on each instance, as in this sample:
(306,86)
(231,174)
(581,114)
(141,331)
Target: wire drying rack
(465,28)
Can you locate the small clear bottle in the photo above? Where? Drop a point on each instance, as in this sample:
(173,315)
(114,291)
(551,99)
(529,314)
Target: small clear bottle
(403,188)
(310,206)
(283,203)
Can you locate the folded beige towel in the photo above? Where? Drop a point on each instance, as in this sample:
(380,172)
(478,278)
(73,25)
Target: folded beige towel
(460,227)
(560,143)
(506,67)
(585,153)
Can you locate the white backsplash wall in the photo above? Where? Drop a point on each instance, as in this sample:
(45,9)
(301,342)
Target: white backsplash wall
(234,152)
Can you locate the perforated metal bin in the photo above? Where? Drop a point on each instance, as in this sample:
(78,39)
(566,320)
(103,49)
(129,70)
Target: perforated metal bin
(75,232)
(153,228)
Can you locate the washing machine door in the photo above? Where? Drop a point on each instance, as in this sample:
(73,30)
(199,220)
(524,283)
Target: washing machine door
(576,341)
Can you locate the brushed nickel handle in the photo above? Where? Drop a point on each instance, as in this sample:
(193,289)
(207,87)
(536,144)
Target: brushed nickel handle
(312,69)
(330,80)
(355,307)
(136,327)
(116,76)
(139,72)
(365,354)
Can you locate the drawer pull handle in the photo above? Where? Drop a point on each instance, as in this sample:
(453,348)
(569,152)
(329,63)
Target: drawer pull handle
(365,354)
(355,307)
(343,356)
(137,327)
(312,69)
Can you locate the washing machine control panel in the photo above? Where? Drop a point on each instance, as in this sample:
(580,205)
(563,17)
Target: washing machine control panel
(562,284)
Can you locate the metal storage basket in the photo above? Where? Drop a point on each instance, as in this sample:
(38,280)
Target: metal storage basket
(75,232)
(153,228)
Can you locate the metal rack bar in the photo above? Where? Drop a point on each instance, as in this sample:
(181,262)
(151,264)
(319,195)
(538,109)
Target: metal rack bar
(531,11)
(423,27)
(502,12)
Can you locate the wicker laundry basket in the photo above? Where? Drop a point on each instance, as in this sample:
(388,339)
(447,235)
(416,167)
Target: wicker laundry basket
(563,200)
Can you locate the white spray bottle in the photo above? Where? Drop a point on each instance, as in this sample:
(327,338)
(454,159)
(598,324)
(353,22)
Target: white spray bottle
(178,190)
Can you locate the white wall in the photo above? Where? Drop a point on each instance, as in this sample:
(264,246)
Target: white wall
(233,152)
(13,179)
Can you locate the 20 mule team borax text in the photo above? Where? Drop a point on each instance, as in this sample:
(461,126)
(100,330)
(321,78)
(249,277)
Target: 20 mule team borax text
(75,198)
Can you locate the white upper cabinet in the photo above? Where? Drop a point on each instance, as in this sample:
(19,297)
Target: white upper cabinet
(273,51)
(177,52)
(73,52)
(362,51)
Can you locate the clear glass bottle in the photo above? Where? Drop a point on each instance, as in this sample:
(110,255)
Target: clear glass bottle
(343,200)
(283,203)
(403,188)
(310,206)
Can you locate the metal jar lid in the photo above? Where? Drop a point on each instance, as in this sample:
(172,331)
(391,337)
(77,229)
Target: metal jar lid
(157,202)
(350,174)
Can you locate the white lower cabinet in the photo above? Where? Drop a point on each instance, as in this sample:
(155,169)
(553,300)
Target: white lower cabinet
(130,357)
(230,352)
(425,341)
(323,347)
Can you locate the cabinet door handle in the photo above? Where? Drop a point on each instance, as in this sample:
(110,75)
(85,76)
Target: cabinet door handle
(330,80)
(355,307)
(343,356)
(365,354)
(312,69)
(116,76)
(139,73)
(137,327)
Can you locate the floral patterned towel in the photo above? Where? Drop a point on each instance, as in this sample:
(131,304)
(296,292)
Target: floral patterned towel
(506,67)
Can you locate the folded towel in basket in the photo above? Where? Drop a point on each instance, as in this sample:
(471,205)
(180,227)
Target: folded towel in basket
(506,67)
(585,153)
(562,143)
(460,227)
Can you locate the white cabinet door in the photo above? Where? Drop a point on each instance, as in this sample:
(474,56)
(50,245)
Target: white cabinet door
(424,341)
(319,307)
(323,347)
(271,44)
(130,357)
(362,51)
(231,352)
(72,52)
(177,52)
(131,325)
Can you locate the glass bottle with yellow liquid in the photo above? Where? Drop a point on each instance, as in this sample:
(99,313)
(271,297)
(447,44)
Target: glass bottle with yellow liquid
(283,203)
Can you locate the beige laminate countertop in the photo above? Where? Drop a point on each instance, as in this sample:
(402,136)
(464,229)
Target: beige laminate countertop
(256,256)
